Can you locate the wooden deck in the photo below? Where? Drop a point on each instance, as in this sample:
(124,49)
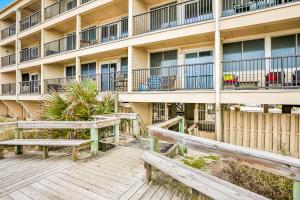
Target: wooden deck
(117,174)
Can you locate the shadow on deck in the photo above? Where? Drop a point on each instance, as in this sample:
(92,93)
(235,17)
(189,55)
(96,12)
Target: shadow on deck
(117,174)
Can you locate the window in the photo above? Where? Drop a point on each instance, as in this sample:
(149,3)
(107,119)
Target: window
(25,77)
(245,50)
(109,32)
(89,34)
(284,46)
(124,64)
(199,70)
(163,59)
(70,71)
(88,69)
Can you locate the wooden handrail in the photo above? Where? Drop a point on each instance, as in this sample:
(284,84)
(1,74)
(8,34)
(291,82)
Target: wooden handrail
(267,161)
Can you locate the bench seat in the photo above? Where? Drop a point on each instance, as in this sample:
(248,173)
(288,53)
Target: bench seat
(199,181)
(45,143)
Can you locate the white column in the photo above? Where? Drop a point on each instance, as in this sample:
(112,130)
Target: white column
(78,2)
(42,10)
(268,53)
(217,70)
(17,50)
(78,29)
(181,70)
(130,63)
(78,69)
(42,43)
(130,18)
(42,79)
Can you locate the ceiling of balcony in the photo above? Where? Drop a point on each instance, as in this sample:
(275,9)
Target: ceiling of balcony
(105,55)
(261,29)
(33,7)
(104,13)
(66,26)
(31,40)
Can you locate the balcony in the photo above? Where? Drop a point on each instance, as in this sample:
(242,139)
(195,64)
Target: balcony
(263,73)
(8,31)
(30,54)
(173,15)
(9,89)
(57,84)
(109,32)
(30,21)
(8,60)
(232,7)
(112,81)
(59,7)
(181,77)
(30,87)
(61,45)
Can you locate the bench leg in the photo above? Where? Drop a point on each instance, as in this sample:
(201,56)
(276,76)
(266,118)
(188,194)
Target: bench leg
(45,152)
(1,153)
(75,154)
(18,149)
(148,172)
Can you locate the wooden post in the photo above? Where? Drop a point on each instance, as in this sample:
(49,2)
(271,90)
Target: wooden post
(148,172)
(95,141)
(135,128)
(181,150)
(117,134)
(75,154)
(45,152)
(1,152)
(154,144)
(195,194)
(19,135)
(296,190)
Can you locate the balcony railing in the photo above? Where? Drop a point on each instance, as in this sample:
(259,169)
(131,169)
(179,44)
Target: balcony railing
(59,7)
(9,89)
(85,1)
(62,45)
(8,31)
(173,15)
(8,60)
(182,77)
(30,21)
(57,84)
(30,54)
(112,81)
(105,33)
(263,73)
(30,87)
(232,7)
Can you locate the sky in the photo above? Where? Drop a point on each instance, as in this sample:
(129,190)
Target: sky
(4,3)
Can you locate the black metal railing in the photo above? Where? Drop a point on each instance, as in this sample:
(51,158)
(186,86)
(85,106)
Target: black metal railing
(85,1)
(30,87)
(262,73)
(8,60)
(173,15)
(30,54)
(30,21)
(182,77)
(59,7)
(232,7)
(57,84)
(62,45)
(109,32)
(112,81)
(9,89)
(8,31)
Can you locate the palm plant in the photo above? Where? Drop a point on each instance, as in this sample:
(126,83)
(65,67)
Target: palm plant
(78,103)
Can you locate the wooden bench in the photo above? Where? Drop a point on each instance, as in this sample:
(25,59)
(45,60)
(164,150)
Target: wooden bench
(199,181)
(46,143)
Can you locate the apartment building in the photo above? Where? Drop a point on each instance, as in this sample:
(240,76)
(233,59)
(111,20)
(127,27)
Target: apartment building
(197,58)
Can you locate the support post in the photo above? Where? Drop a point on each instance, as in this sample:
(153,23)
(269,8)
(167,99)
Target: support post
(181,149)
(154,144)
(1,152)
(296,190)
(148,172)
(95,141)
(18,135)
(45,152)
(135,128)
(117,134)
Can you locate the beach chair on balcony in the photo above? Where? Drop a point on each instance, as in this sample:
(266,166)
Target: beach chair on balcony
(275,79)
(168,82)
(230,81)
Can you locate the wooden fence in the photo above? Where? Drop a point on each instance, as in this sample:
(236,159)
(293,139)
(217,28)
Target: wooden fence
(278,133)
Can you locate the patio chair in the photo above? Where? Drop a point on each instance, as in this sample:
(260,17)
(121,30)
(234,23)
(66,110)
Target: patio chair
(275,79)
